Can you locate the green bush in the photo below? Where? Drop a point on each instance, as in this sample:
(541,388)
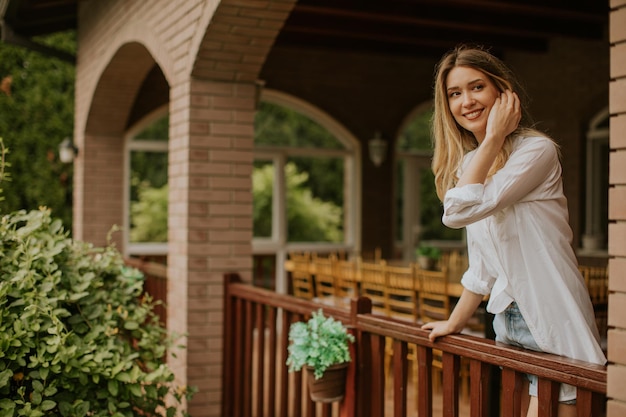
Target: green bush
(77,338)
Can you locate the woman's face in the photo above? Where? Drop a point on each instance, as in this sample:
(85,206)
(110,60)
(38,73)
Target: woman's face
(471,94)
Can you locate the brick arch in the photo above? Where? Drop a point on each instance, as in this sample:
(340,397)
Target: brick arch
(237,39)
(116,90)
(98,176)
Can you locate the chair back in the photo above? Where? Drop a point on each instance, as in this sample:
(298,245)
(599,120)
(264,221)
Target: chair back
(325,281)
(401,298)
(346,278)
(301,276)
(433,297)
(597,281)
(373,282)
(454,260)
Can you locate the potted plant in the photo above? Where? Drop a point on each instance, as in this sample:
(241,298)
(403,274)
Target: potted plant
(321,346)
(427,256)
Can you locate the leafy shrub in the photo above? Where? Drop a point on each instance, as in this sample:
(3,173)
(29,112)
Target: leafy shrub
(77,338)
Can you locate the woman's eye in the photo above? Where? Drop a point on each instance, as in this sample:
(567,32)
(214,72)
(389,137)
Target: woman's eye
(454,94)
(478,87)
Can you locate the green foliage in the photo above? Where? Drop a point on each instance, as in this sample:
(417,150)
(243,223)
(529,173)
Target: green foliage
(4,175)
(37,110)
(417,136)
(149,214)
(278,126)
(431,252)
(77,338)
(309,219)
(319,343)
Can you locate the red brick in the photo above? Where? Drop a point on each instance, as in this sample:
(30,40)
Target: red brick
(617,203)
(617,346)
(618,131)
(617,274)
(616,375)
(617,310)
(617,28)
(617,162)
(615,408)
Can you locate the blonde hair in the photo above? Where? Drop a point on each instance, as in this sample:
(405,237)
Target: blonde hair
(451,141)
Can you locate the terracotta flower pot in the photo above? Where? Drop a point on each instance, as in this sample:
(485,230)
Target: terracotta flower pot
(426,262)
(331,386)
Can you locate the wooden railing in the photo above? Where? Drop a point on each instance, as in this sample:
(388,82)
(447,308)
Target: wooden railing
(256,381)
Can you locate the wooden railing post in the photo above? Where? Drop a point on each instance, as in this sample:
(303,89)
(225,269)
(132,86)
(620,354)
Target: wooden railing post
(228,370)
(358,371)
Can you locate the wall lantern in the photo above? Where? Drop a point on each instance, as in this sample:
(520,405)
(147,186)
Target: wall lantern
(67,151)
(378,149)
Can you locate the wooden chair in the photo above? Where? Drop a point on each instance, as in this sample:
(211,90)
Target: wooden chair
(597,281)
(401,298)
(301,276)
(454,260)
(347,279)
(325,281)
(434,305)
(433,297)
(401,303)
(373,283)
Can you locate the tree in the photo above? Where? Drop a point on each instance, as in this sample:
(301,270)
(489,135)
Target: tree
(36,114)
(309,218)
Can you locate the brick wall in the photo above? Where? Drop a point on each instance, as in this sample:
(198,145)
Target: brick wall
(616,406)
(210,53)
(211,76)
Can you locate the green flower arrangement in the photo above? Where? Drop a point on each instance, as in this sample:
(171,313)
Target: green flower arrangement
(319,343)
(431,252)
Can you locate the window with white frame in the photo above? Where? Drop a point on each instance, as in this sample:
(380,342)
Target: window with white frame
(418,209)
(594,237)
(305,183)
(146,179)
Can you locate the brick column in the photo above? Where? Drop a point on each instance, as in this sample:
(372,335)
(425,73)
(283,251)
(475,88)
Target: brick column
(98,189)
(210,222)
(616,406)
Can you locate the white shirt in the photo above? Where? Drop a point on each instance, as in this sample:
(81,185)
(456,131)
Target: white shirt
(519,247)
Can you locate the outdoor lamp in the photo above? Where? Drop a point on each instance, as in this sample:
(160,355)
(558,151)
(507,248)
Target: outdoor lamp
(378,149)
(67,151)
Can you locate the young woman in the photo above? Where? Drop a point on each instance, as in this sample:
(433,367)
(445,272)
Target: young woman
(501,180)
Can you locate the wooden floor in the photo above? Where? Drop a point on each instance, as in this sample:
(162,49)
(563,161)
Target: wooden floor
(464,405)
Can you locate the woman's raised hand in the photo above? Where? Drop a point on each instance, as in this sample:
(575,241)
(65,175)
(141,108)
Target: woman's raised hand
(504,116)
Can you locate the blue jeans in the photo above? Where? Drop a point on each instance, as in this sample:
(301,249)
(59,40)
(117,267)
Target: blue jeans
(511,328)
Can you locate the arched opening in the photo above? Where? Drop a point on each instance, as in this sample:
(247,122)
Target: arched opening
(418,209)
(594,238)
(305,186)
(146,187)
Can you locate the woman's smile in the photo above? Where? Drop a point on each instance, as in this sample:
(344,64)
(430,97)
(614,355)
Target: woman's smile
(471,94)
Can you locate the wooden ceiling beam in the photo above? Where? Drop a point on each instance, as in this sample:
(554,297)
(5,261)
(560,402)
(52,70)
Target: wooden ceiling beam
(545,27)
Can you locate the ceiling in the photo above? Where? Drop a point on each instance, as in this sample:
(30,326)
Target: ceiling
(414,27)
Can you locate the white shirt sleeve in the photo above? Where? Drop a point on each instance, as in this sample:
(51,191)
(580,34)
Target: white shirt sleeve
(532,163)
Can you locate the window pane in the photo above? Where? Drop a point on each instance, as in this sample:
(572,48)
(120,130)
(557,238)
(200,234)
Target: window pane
(263,195)
(417,134)
(275,125)
(315,196)
(148,196)
(158,130)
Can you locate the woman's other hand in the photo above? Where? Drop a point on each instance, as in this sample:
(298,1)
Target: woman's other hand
(437,329)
